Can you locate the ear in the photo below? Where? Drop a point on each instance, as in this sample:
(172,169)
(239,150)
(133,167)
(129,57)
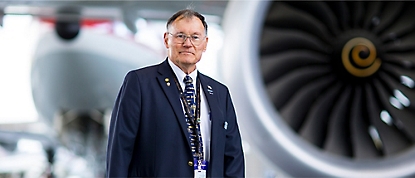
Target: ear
(166,40)
(207,39)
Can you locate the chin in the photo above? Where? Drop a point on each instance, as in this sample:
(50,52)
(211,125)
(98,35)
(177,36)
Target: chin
(188,60)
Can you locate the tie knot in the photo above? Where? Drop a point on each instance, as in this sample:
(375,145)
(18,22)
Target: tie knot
(187,79)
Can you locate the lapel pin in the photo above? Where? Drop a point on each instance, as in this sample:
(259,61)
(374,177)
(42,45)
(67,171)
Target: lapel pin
(210,90)
(167,81)
(225,125)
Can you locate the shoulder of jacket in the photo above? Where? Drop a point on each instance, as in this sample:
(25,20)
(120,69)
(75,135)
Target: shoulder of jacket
(145,70)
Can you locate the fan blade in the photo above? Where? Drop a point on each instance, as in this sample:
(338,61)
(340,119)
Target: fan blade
(358,13)
(392,139)
(275,66)
(338,139)
(286,17)
(404,60)
(342,13)
(406,77)
(314,128)
(274,41)
(388,15)
(372,13)
(282,89)
(403,26)
(404,94)
(406,44)
(295,111)
(363,146)
(404,119)
(321,11)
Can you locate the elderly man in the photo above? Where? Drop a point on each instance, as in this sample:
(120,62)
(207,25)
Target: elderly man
(169,120)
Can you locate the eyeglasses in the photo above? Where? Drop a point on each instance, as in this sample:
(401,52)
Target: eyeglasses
(180,38)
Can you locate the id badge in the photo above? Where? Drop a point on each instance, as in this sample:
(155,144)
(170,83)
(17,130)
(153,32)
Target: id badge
(200,173)
(200,167)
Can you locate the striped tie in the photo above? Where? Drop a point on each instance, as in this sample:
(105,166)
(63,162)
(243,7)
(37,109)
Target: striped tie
(189,93)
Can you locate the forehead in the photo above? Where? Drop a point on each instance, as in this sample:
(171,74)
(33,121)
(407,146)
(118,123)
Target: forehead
(189,25)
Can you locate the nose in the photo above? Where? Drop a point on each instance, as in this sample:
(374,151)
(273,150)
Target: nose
(187,42)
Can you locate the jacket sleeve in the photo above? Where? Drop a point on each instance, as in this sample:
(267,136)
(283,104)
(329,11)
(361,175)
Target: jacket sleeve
(234,156)
(123,127)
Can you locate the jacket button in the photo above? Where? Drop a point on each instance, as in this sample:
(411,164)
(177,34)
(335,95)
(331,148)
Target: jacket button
(190,163)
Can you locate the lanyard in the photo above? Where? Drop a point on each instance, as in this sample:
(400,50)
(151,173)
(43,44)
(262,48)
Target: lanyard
(193,120)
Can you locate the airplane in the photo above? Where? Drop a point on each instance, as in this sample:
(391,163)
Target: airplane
(320,88)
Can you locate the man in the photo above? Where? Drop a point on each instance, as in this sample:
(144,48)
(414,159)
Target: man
(162,127)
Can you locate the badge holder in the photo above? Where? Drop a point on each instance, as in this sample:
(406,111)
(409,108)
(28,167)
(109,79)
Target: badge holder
(200,167)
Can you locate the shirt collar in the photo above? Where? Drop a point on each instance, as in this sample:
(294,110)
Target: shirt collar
(180,74)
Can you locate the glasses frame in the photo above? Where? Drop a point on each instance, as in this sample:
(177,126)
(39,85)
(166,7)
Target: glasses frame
(186,37)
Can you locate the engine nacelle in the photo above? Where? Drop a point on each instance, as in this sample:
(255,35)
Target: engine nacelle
(324,88)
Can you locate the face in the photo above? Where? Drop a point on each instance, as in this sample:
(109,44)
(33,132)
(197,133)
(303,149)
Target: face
(185,55)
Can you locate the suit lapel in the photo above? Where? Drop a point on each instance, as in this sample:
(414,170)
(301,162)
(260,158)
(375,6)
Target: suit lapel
(215,112)
(166,81)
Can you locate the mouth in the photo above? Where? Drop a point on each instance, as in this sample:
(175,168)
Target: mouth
(186,52)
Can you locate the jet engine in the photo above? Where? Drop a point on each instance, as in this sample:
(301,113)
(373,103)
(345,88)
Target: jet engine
(74,85)
(325,88)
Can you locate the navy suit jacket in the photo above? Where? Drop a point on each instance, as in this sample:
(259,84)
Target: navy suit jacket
(148,136)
